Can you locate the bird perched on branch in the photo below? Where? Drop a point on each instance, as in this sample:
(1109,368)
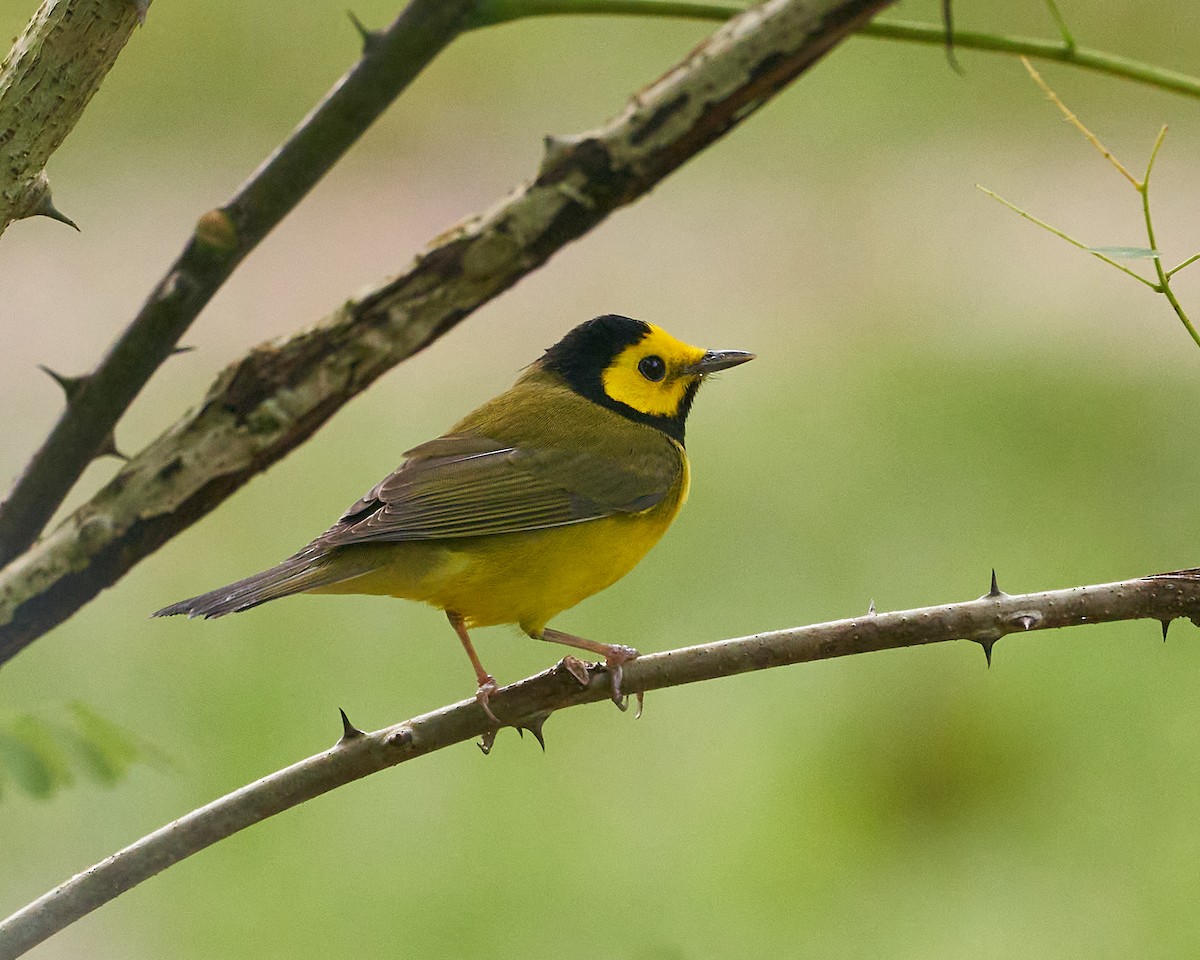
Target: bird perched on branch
(544,495)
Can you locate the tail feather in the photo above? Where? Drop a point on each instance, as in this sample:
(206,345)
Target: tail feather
(304,571)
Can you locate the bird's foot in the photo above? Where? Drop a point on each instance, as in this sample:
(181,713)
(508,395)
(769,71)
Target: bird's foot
(615,658)
(483,696)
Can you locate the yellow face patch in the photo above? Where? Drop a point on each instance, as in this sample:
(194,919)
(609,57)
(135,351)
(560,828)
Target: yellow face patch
(633,378)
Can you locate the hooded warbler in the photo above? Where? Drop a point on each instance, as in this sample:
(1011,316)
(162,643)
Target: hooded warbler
(544,495)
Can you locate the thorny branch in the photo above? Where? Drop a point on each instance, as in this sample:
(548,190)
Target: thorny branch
(273,399)
(527,704)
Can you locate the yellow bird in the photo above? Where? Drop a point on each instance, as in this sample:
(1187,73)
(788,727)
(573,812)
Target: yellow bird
(544,495)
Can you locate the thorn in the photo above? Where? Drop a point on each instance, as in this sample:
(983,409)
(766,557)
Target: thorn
(177,350)
(871,608)
(994,591)
(369,37)
(70,385)
(534,725)
(1166,625)
(349,730)
(37,201)
(987,650)
(141,6)
(47,209)
(108,448)
(486,740)
(641,702)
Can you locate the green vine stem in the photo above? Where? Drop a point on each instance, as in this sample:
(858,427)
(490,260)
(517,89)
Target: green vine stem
(1064,50)
(1164,278)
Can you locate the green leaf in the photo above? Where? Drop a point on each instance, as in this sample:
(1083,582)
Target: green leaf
(43,756)
(1126,253)
(105,751)
(33,754)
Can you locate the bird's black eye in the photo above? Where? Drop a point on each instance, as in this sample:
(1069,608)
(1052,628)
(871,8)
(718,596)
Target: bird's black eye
(652,368)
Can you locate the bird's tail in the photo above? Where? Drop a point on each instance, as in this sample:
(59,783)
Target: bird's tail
(305,570)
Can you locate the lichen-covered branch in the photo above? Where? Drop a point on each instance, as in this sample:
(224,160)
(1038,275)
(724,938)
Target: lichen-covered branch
(46,81)
(391,59)
(527,704)
(274,398)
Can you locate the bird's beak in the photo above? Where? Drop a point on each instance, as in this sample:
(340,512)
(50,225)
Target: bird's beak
(716,360)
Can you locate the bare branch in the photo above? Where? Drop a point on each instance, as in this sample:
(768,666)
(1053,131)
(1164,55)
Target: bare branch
(222,238)
(527,704)
(46,81)
(274,398)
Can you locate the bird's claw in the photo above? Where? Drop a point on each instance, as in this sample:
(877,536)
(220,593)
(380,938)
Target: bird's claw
(483,695)
(615,660)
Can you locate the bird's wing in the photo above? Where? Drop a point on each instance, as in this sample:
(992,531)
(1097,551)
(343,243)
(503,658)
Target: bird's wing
(466,486)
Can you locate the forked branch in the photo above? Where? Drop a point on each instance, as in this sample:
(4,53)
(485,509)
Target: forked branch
(527,704)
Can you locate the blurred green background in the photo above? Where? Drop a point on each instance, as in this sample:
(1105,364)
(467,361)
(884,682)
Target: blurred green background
(942,388)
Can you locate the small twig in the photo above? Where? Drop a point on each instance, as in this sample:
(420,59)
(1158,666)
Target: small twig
(1164,278)
(948,30)
(1078,124)
(273,399)
(1186,263)
(221,240)
(1064,236)
(528,703)
(1059,21)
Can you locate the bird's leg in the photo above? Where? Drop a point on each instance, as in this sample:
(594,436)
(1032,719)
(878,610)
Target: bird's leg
(487,683)
(615,655)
